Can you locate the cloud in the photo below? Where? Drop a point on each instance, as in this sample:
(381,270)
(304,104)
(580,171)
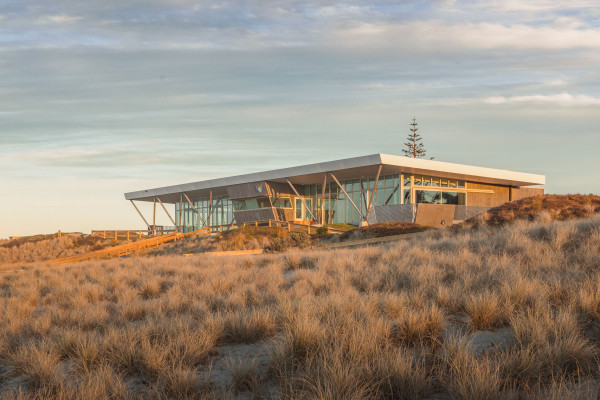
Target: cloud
(58,19)
(557,82)
(537,6)
(562,99)
(439,36)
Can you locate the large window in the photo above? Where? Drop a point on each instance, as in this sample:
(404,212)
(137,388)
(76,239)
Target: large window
(439,197)
(337,207)
(428,196)
(251,204)
(283,202)
(221,213)
(422,180)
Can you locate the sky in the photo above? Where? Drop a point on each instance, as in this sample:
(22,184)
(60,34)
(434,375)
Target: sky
(99,98)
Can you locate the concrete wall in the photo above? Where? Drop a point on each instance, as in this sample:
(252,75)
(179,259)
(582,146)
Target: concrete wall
(462,213)
(393,213)
(436,215)
(424,214)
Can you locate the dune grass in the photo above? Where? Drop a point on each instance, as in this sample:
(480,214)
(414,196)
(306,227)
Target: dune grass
(398,321)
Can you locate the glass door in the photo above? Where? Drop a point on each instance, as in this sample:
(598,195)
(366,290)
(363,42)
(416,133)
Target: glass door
(299,210)
(308,202)
(301,214)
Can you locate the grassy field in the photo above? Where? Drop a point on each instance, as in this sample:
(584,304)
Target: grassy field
(509,311)
(45,247)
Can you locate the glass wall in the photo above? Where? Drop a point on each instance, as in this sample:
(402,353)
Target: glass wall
(339,209)
(337,206)
(222,213)
(425,192)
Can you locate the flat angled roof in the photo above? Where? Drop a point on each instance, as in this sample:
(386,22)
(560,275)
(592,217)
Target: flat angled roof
(348,168)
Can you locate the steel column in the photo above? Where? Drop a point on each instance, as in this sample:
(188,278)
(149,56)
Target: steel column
(373,192)
(180,209)
(301,199)
(209,207)
(154,219)
(169,215)
(194,208)
(323,200)
(346,193)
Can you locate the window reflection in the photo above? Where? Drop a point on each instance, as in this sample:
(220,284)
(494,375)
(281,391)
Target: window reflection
(336,208)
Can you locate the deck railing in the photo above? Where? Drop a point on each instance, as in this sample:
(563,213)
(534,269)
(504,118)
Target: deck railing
(131,234)
(127,249)
(137,246)
(289,225)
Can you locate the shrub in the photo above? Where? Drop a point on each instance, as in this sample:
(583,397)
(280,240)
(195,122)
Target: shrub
(299,239)
(322,230)
(277,245)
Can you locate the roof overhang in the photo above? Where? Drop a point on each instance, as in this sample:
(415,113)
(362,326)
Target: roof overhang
(349,168)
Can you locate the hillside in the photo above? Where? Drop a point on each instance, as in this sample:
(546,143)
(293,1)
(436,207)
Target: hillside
(509,311)
(548,207)
(46,247)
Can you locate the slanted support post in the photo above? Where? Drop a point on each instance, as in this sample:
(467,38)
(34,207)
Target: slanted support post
(373,192)
(194,208)
(210,207)
(323,200)
(154,219)
(348,197)
(301,199)
(139,212)
(180,210)
(169,215)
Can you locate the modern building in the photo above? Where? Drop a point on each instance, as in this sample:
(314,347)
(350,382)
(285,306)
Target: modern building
(368,189)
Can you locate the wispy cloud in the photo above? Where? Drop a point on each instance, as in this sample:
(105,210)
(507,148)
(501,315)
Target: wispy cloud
(58,19)
(438,36)
(562,99)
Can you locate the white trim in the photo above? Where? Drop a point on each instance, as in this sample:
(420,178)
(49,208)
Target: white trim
(392,164)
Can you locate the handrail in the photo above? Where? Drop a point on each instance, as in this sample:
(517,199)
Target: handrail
(126,249)
(270,222)
(129,248)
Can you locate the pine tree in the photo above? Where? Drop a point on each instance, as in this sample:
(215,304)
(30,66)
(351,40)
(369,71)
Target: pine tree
(413,147)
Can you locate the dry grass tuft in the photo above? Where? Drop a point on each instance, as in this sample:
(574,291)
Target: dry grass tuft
(245,376)
(419,327)
(466,376)
(485,312)
(38,364)
(249,327)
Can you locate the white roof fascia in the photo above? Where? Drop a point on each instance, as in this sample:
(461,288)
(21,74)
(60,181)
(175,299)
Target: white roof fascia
(466,172)
(328,166)
(405,164)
